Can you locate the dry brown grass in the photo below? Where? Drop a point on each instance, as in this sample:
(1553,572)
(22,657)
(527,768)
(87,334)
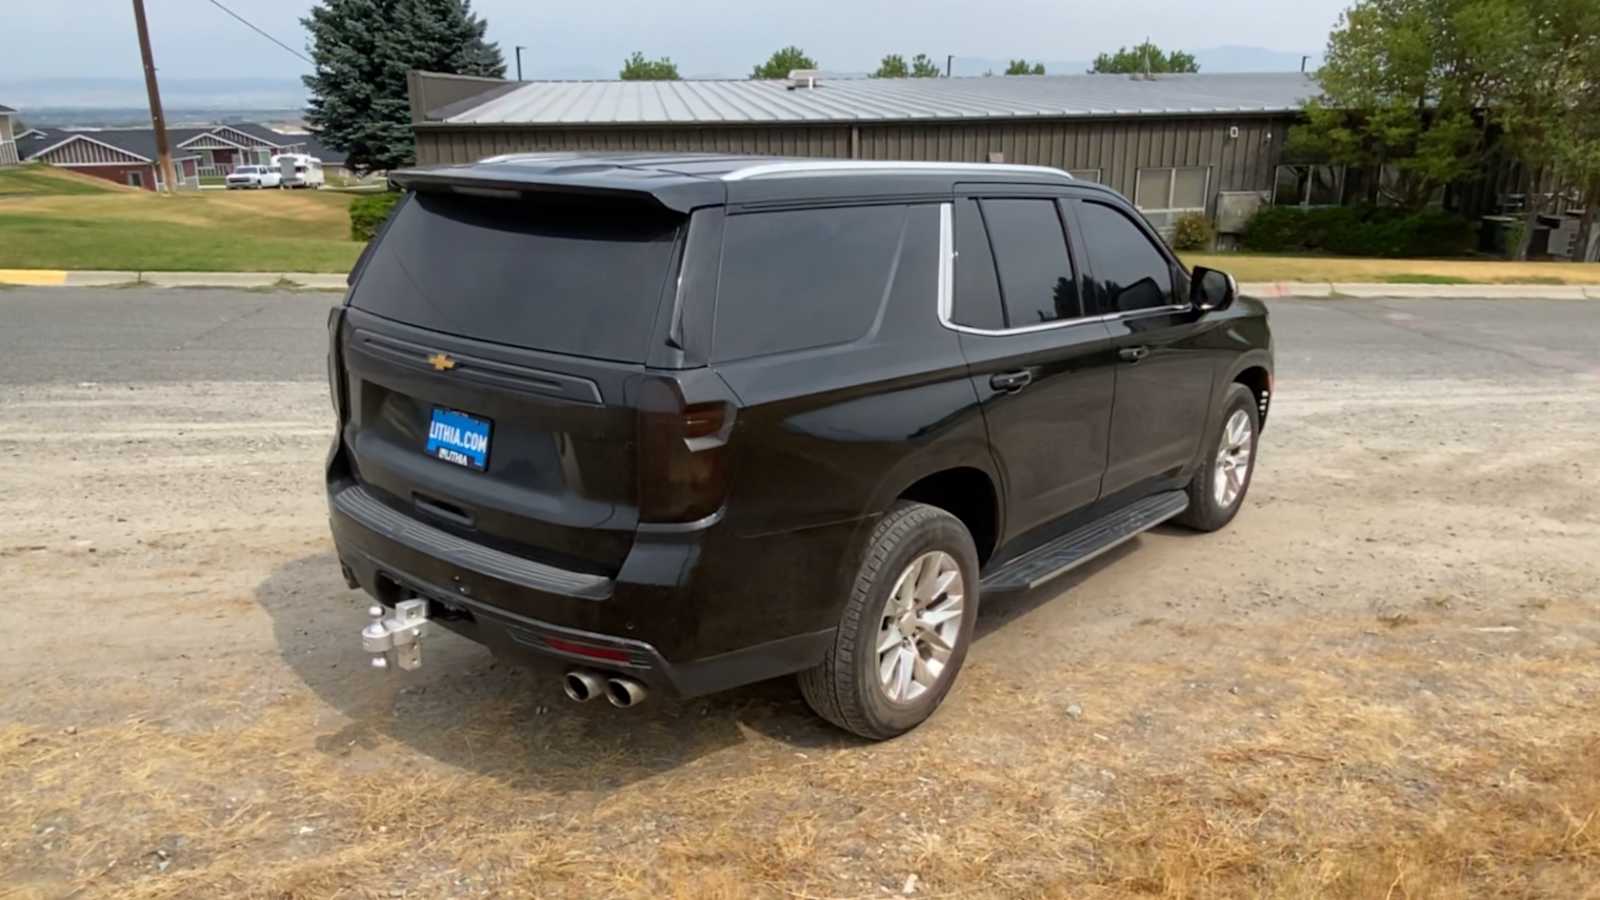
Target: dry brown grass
(1394,770)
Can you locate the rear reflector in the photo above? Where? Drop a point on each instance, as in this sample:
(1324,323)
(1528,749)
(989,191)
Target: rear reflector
(610,654)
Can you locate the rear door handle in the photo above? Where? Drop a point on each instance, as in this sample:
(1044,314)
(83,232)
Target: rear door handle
(1133,354)
(1011,382)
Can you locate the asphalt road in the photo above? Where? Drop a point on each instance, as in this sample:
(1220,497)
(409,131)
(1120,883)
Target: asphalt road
(174,335)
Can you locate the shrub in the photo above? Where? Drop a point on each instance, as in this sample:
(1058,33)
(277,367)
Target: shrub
(368,212)
(1193,232)
(1358,231)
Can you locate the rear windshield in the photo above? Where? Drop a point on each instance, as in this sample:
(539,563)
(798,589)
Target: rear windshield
(545,273)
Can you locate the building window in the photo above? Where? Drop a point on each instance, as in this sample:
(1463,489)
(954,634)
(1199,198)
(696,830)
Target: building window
(1085,174)
(1180,189)
(136,179)
(1308,185)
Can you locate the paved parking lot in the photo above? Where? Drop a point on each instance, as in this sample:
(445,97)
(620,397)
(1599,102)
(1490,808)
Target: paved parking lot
(1385,674)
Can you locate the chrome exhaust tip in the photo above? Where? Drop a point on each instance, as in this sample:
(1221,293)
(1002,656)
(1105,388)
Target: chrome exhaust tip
(582,685)
(625,692)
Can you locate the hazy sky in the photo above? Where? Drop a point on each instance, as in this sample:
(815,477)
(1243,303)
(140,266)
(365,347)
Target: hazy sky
(193,39)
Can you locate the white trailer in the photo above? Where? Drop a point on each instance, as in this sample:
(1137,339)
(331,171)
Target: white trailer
(299,170)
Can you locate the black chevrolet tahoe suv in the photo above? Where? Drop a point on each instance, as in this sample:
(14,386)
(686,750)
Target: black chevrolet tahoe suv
(688,422)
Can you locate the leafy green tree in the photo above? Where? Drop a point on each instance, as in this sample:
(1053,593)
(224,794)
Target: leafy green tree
(893,66)
(781,63)
(1023,67)
(362,50)
(637,68)
(1546,113)
(923,67)
(1400,91)
(1145,57)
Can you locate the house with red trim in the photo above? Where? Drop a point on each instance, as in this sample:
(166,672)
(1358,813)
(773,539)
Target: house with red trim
(128,155)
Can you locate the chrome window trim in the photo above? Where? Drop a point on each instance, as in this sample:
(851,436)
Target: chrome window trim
(946,297)
(865,167)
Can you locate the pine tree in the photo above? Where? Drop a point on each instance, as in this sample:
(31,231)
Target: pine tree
(363,49)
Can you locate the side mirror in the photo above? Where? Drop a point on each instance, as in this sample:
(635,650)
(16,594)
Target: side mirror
(1211,289)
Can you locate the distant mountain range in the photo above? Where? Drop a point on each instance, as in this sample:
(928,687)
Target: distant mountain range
(190,93)
(108,101)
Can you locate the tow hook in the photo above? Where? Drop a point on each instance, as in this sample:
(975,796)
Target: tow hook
(396,639)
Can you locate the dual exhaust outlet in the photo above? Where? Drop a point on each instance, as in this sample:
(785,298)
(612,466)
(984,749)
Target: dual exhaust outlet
(583,685)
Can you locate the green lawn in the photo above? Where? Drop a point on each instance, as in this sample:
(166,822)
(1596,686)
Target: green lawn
(65,223)
(50,219)
(33,180)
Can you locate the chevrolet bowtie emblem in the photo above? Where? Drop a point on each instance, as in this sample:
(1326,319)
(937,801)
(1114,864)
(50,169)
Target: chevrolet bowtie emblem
(441,362)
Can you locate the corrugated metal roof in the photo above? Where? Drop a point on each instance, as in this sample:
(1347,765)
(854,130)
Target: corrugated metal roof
(877,100)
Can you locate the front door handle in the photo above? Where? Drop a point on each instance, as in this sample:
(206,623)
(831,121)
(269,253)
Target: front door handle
(1011,382)
(1133,354)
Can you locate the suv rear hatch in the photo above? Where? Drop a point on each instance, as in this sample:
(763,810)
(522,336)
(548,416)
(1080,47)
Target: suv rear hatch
(492,351)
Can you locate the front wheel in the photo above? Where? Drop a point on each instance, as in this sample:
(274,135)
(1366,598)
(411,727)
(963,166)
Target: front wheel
(1218,488)
(906,626)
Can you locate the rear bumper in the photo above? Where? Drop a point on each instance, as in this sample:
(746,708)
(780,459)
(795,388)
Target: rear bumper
(528,610)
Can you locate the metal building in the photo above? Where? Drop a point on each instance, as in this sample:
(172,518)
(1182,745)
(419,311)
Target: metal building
(1173,143)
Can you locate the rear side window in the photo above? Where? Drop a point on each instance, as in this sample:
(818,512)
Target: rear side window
(1132,273)
(582,277)
(977,293)
(803,278)
(1030,251)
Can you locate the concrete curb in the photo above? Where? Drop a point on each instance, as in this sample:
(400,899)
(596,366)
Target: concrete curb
(1315,289)
(318,281)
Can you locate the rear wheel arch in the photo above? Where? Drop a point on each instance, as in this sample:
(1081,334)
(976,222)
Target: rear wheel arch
(968,493)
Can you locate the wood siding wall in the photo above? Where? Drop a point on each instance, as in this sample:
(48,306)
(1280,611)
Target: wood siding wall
(1117,147)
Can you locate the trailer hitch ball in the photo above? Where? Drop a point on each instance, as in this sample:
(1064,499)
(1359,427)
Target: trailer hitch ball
(396,639)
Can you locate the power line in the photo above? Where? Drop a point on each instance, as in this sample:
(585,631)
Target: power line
(252,27)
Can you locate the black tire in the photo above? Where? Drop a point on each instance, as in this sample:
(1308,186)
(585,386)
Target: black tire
(845,688)
(1204,512)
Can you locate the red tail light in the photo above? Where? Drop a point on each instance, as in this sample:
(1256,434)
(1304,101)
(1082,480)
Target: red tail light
(681,454)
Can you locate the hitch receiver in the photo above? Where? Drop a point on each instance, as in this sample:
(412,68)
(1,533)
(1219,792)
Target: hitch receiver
(396,639)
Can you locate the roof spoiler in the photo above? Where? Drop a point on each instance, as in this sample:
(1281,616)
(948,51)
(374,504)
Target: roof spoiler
(510,182)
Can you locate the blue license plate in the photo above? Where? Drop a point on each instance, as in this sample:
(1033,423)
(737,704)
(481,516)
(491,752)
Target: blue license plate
(456,437)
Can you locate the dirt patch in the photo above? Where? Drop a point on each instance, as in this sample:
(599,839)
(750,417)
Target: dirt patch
(1382,680)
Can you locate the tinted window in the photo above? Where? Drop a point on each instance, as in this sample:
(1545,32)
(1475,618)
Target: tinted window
(803,278)
(1131,272)
(1030,252)
(977,293)
(552,274)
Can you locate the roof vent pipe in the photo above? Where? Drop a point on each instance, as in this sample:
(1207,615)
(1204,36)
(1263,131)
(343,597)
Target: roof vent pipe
(804,78)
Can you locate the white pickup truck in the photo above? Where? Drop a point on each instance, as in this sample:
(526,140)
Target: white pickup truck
(246,177)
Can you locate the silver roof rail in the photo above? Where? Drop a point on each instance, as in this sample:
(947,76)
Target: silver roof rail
(853,167)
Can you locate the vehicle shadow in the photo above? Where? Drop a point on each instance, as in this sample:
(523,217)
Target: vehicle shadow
(995,613)
(467,709)
(507,720)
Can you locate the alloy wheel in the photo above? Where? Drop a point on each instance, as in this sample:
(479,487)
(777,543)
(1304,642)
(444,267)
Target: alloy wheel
(1233,459)
(921,624)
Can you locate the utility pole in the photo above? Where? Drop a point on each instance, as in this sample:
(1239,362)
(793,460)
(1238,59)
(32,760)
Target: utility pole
(163,153)
(949,62)
(1303,61)
(520,48)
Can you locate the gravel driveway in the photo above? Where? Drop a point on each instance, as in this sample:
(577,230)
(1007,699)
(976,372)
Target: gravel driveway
(1385,675)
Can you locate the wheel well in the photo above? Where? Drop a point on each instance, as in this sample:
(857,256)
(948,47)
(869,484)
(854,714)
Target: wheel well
(1260,383)
(969,495)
